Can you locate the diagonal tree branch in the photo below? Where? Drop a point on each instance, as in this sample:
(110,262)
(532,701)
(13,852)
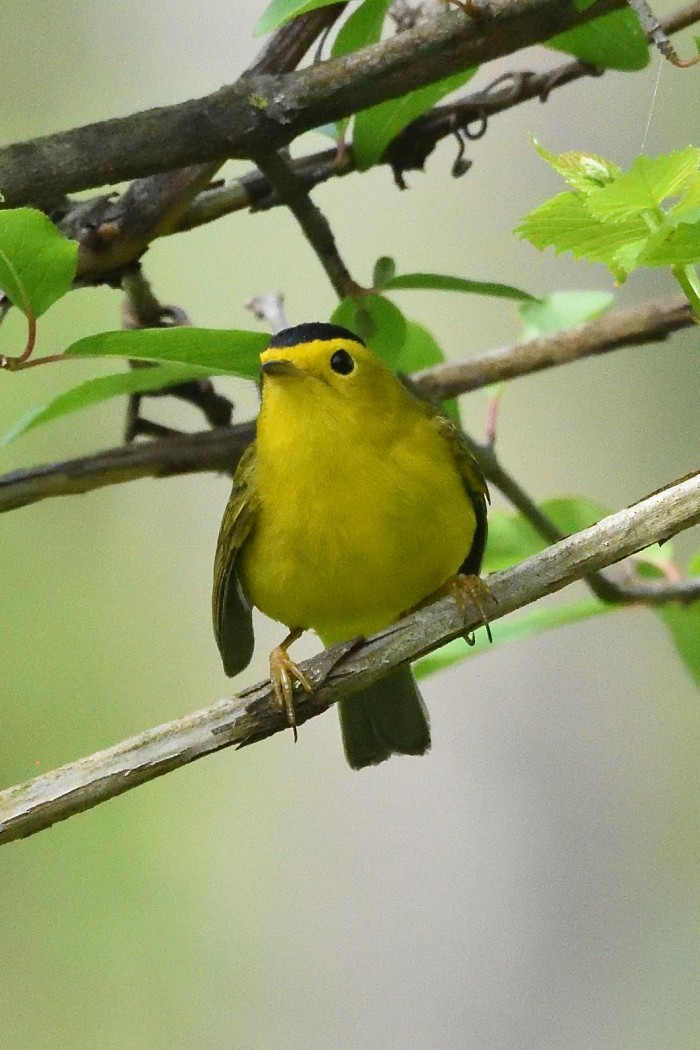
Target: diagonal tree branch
(220,450)
(39,803)
(262,112)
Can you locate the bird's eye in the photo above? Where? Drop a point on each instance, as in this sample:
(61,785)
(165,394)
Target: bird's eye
(342,363)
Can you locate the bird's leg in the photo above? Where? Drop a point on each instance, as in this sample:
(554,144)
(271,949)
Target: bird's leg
(466,590)
(284,673)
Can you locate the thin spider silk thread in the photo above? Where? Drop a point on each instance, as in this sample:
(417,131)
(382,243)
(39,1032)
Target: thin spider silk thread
(653,103)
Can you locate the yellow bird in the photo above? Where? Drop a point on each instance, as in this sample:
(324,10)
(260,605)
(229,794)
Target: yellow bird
(356,502)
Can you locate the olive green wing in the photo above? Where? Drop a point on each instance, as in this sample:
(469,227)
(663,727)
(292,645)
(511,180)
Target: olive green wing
(232,614)
(474,485)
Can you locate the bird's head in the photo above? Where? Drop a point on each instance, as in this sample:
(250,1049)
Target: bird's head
(325,365)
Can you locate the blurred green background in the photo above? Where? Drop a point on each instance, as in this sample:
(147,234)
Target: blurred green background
(533,882)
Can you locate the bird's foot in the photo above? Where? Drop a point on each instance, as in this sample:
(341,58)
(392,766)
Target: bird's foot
(471,590)
(283,674)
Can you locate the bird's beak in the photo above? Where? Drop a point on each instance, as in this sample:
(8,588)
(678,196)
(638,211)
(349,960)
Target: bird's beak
(281,367)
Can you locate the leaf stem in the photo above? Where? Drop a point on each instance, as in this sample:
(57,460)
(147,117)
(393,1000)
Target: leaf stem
(688,280)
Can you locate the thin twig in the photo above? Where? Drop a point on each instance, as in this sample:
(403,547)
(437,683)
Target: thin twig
(39,803)
(313,222)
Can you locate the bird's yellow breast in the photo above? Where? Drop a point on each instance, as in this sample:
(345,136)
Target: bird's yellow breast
(358,518)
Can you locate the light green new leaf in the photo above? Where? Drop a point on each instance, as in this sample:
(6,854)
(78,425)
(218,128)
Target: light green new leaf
(562,310)
(647,184)
(672,246)
(37,263)
(512,629)
(95,391)
(375,128)
(565,224)
(613,41)
(280,11)
(377,321)
(582,171)
(444,283)
(229,351)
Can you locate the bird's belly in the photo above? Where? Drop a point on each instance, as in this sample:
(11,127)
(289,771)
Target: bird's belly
(353,564)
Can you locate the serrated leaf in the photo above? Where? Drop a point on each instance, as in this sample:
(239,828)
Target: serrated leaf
(377,321)
(647,184)
(384,271)
(280,11)
(229,351)
(102,388)
(376,127)
(512,629)
(444,283)
(613,41)
(582,171)
(37,263)
(672,246)
(565,224)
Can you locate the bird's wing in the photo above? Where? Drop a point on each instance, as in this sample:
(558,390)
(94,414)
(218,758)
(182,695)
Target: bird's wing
(232,614)
(474,485)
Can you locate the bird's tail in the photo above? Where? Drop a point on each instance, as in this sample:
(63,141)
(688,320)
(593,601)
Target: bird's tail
(384,719)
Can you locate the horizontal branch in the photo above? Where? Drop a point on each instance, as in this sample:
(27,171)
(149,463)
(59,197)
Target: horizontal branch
(262,112)
(629,326)
(253,715)
(220,450)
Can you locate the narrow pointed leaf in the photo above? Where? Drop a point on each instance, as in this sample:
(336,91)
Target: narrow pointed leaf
(229,351)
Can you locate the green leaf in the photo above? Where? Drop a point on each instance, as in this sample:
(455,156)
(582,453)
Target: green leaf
(229,351)
(512,629)
(582,171)
(512,537)
(646,185)
(384,271)
(562,310)
(444,283)
(377,321)
(613,41)
(565,224)
(683,621)
(94,391)
(672,246)
(376,127)
(421,350)
(363,27)
(280,11)
(37,263)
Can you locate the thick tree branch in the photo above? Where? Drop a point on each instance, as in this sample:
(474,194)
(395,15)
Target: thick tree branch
(39,803)
(220,449)
(263,112)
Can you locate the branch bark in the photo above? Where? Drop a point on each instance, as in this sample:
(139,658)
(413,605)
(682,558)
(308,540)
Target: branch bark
(263,112)
(253,715)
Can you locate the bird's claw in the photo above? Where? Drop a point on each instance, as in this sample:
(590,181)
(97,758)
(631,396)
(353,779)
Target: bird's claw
(283,674)
(471,590)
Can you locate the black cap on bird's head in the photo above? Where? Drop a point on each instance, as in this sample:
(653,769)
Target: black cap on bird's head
(311,331)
